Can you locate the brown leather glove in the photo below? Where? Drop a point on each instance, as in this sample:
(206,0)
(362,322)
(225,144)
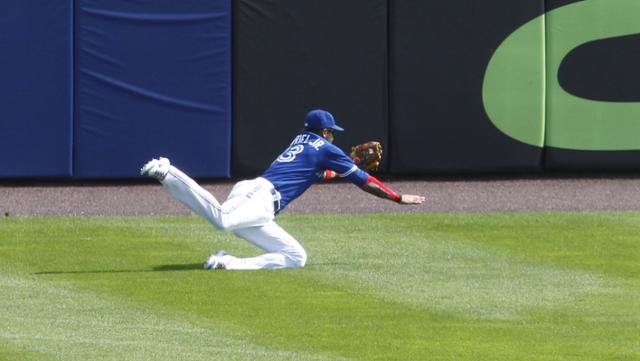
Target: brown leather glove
(367,156)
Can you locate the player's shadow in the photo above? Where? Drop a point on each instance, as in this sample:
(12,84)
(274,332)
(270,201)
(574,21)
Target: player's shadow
(160,268)
(178,267)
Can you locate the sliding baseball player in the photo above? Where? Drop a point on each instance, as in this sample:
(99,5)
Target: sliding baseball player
(252,205)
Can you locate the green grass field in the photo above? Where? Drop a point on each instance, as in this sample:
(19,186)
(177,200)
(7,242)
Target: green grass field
(478,286)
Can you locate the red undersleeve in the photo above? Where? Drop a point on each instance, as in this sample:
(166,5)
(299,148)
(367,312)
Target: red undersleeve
(378,187)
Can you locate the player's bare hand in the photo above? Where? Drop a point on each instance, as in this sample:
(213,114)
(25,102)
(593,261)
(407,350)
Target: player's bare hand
(411,199)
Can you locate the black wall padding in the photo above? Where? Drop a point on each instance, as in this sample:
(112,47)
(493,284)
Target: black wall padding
(439,53)
(612,66)
(564,160)
(291,56)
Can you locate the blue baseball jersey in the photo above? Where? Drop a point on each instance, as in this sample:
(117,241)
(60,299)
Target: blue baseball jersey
(305,161)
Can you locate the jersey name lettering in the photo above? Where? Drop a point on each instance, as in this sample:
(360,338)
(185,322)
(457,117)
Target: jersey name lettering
(317,143)
(304,139)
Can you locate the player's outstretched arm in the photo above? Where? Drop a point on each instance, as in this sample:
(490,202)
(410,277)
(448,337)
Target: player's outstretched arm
(374,186)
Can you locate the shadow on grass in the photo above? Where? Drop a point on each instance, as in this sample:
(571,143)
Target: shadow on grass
(178,267)
(160,268)
(167,268)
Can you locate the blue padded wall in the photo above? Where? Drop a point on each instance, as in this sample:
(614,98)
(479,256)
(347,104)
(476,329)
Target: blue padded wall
(152,78)
(35,72)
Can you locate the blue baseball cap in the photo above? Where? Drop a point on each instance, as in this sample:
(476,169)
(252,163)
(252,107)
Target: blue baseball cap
(321,119)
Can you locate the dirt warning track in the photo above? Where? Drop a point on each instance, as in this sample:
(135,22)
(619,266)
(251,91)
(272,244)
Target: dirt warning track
(617,192)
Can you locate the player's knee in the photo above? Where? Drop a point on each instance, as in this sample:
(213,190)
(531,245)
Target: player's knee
(225,222)
(223,225)
(297,257)
(220,224)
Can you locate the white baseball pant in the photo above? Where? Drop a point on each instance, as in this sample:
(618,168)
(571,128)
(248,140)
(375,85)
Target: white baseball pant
(248,212)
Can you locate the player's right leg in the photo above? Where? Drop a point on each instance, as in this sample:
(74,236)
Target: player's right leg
(282,250)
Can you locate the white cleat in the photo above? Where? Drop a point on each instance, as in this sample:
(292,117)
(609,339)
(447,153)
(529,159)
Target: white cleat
(156,168)
(216,261)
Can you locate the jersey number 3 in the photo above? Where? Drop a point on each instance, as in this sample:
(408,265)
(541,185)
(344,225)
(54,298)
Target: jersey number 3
(291,153)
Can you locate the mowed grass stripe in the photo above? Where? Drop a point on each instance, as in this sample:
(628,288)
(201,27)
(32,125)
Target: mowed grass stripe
(388,287)
(484,265)
(72,324)
(468,281)
(83,259)
(10,352)
(606,242)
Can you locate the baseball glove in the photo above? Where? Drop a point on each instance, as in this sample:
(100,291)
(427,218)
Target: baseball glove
(367,156)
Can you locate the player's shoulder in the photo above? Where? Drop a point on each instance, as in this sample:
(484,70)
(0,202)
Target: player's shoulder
(334,148)
(331,150)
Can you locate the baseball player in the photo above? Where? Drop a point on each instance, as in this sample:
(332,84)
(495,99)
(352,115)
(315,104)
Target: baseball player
(252,205)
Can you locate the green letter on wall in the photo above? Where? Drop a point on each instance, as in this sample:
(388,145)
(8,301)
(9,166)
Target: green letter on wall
(522,95)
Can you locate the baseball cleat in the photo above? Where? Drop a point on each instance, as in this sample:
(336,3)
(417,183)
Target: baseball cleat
(156,168)
(215,261)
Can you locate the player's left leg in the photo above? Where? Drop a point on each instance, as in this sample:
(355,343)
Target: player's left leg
(250,203)
(184,189)
(283,251)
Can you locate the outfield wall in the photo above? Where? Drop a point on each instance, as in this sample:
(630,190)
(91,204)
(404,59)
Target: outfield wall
(36,121)
(93,88)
